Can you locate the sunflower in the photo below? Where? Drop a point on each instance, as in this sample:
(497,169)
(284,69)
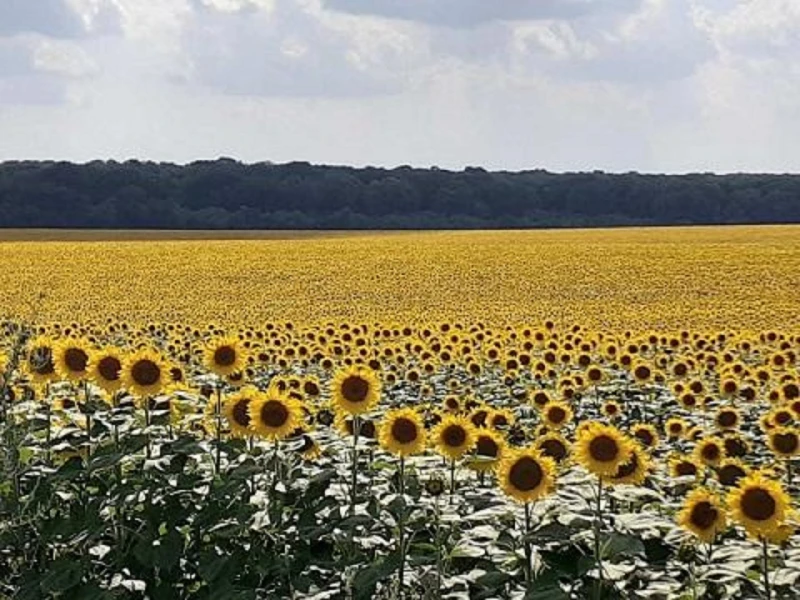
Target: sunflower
(144,372)
(71,358)
(612,409)
(39,364)
(675,427)
(602,449)
(105,368)
(237,410)
(454,437)
(501,418)
(710,451)
(727,418)
(646,434)
(703,515)
(224,356)
(402,432)
(526,475)
(633,471)
(784,442)
(681,465)
(452,404)
(356,390)
(553,445)
(310,450)
(274,415)
(556,414)
(730,471)
(758,504)
(489,450)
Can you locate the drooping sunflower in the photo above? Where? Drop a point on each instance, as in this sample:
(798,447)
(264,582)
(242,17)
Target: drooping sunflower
(554,445)
(402,432)
(274,415)
(784,442)
(703,515)
(556,414)
(144,372)
(224,356)
(39,363)
(758,504)
(237,411)
(490,447)
(602,449)
(71,359)
(525,475)
(105,368)
(710,451)
(681,465)
(356,390)
(453,437)
(634,471)
(730,471)
(646,434)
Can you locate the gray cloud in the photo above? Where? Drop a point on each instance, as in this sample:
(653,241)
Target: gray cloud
(48,17)
(470,13)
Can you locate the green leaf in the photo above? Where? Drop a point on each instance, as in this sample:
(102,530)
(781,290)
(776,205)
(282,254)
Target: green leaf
(493,580)
(615,545)
(365,580)
(62,574)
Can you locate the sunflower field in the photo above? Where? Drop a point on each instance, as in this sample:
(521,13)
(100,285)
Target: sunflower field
(381,417)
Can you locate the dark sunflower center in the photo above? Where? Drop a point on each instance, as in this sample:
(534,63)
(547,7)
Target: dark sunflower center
(704,515)
(274,413)
(540,399)
(735,447)
(595,374)
(675,428)
(224,356)
(554,449)
(791,391)
(730,474)
(145,372)
(176,374)
(629,468)
(355,389)
(727,419)
(604,448)
(645,436)
(642,373)
(556,414)
(782,417)
(368,429)
(109,368)
(486,446)
(710,452)
(76,359)
(404,430)
(686,468)
(526,474)
(500,420)
(479,418)
(454,436)
(611,409)
(452,403)
(785,443)
(240,413)
(311,388)
(729,387)
(758,504)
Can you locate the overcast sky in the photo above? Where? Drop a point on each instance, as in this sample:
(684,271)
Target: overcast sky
(619,85)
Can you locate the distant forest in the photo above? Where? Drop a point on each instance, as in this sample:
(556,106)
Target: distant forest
(227,194)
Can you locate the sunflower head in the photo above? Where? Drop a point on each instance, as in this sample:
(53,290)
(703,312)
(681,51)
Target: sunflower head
(39,362)
(784,441)
(633,471)
(489,449)
(602,449)
(237,411)
(356,390)
(526,475)
(556,414)
(730,471)
(703,515)
(646,435)
(553,445)
(681,465)
(453,437)
(758,504)
(105,368)
(274,415)
(145,373)
(72,359)
(224,356)
(710,451)
(402,432)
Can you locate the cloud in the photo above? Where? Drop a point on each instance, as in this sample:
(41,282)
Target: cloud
(470,13)
(55,18)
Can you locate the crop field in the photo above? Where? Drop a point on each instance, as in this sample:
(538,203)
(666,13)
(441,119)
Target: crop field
(532,415)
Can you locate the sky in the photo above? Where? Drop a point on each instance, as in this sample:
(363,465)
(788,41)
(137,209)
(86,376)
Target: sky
(665,86)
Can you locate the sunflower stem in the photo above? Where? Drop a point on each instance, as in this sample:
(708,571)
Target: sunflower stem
(765,550)
(148,451)
(354,466)
(598,523)
(527,545)
(452,478)
(402,526)
(218,447)
(49,433)
(438,544)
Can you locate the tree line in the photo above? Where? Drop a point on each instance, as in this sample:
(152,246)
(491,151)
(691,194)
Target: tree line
(227,194)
